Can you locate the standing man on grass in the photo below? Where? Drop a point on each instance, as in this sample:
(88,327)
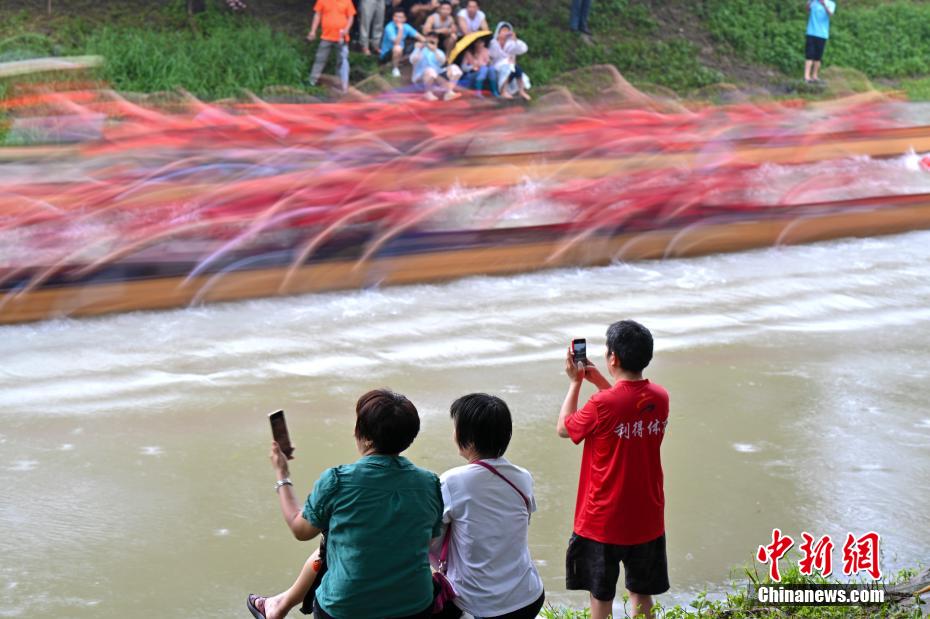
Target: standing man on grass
(620,510)
(578,18)
(818,31)
(336,18)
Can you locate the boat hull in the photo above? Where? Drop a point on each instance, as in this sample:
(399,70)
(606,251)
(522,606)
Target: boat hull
(888,216)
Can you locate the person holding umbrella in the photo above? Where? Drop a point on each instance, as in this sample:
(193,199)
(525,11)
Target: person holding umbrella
(471,54)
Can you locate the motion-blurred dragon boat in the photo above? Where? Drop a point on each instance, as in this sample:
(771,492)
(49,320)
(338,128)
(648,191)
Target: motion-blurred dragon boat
(110,204)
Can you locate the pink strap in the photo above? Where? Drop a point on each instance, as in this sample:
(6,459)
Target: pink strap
(499,474)
(444,550)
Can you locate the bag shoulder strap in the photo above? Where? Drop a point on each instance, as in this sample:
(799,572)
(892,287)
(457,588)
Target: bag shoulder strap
(444,549)
(491,468)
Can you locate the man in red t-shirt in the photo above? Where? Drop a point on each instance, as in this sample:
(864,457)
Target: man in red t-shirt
(619,513)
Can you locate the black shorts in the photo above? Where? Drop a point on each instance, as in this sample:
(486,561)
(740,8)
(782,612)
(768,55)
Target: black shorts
(595,567)
(813,50)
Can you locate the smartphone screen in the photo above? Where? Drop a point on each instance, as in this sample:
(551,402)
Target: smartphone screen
(279,432)
(580,350)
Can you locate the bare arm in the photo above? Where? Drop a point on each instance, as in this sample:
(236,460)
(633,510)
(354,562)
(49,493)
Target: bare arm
(569,406)
(314,26)
(576,373)
(348,28)
(594,376)
(299,526)
(290,508)
(826,7)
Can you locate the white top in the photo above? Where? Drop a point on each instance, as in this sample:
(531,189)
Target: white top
(489,562)
(474,24)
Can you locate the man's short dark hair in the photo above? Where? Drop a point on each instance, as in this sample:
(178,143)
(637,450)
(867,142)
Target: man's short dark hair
(632,343)
(387,419)
(483,423)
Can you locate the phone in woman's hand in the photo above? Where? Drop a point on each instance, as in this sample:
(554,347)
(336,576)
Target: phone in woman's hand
(280,434)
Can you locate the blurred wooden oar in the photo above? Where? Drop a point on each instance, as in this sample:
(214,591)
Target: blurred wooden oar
(44,65)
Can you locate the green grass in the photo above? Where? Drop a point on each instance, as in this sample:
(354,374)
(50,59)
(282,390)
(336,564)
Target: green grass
(917,89)
(156,47)
(226,55)
(888,39)
(214,56)
(736,604)
(220,54)
(626,38)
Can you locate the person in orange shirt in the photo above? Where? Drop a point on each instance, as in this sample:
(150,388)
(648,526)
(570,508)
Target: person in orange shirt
(336,18)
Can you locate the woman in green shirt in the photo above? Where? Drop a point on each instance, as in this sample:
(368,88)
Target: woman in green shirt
(378,515)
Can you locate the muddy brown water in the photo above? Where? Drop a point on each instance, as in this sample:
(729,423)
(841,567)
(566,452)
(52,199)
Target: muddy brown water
(134,478)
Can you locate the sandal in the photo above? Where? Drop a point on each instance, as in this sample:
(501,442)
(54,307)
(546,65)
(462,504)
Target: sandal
(251,603)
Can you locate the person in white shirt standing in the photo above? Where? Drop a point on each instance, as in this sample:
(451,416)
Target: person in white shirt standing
(486,515)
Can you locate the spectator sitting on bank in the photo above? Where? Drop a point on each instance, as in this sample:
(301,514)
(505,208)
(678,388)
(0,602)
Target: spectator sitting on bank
(418,10)
(476,64)
(487,505)
(428,61)
(504,49)
(472,18)
(336,18)
(442,23)
(378,515)
(394,40)
(818,31)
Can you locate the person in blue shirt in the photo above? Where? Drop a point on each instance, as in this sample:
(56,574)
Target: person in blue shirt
(818,31)
(394,39)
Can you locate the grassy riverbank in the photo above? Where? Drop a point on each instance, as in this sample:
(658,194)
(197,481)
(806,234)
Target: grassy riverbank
(737,604)
(679,45)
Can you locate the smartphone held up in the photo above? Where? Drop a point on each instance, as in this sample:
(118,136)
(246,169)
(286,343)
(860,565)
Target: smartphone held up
(280,434)
(580,351)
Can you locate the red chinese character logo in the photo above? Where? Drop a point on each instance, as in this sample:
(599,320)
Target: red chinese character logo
(861,555)
(817,556)
(774,551)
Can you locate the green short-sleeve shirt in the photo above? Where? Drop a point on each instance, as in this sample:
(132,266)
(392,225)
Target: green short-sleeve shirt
(378,515)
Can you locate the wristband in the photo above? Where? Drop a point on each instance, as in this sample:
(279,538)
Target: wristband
(282,482)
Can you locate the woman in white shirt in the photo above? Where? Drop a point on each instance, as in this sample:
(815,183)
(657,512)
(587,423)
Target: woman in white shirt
(504,49)
(486,514)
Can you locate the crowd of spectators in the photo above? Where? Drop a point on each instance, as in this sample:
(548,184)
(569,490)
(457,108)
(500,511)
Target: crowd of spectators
(447,45)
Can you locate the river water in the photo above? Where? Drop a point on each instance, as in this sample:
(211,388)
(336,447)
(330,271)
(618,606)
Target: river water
(134,477)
